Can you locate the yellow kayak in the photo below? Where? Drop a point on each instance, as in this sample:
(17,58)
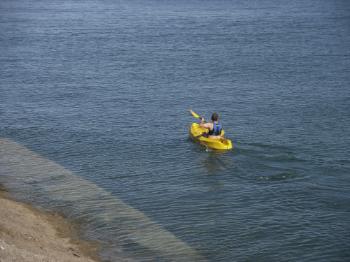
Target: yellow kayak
(196,133)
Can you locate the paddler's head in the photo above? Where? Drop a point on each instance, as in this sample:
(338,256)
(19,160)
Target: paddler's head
(214,117)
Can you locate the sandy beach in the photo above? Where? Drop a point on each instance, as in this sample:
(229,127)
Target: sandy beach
(33,235)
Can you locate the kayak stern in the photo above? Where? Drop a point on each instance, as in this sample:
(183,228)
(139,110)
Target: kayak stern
(197,132)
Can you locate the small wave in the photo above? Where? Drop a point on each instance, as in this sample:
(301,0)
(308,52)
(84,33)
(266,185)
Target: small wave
(268,152)
(269,146)
(279,177)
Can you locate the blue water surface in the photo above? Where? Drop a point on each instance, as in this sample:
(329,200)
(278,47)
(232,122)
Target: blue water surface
(103,88)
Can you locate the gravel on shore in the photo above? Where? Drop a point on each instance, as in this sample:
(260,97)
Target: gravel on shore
(32,235)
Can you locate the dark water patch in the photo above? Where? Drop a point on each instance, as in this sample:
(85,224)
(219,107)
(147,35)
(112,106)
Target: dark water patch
(339,200)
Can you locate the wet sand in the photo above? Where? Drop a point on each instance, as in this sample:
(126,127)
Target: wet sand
(33,235)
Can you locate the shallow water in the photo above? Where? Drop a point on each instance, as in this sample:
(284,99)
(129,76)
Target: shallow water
(101,89)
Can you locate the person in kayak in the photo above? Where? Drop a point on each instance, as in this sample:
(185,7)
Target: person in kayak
(214,126)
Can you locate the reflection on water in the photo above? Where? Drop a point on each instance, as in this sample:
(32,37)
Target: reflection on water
(214,163)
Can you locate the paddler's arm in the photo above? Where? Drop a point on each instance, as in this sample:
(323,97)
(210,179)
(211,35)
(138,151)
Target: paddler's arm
(205,125)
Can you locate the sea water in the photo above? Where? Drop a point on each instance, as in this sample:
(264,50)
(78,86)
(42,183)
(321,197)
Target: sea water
(94,99)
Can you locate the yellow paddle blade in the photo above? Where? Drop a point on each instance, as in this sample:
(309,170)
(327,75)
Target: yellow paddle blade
(194,114)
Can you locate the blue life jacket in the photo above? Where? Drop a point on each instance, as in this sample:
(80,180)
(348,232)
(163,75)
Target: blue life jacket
(216,131)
